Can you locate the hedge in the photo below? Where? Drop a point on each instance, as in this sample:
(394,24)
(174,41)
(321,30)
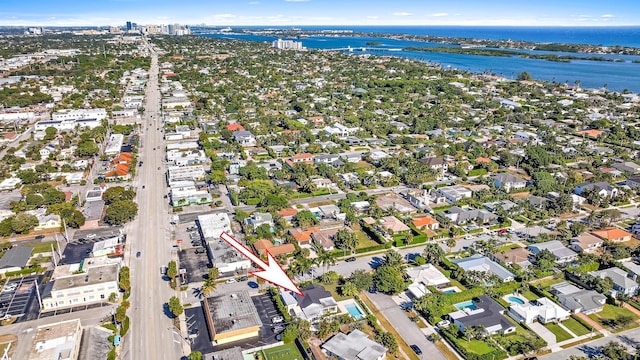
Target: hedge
(125,326)
(26,271)
(275,296)
(252,201)
(362,305)
(582,322)
(372,233)
(374,248)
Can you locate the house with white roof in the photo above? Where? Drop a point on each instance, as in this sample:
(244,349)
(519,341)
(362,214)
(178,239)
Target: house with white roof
(481,263)
(542,310)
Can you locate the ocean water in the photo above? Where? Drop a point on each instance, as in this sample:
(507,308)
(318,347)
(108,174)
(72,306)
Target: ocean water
(594,35)
(591,74)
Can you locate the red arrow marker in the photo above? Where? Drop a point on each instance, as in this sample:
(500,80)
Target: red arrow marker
(271,271)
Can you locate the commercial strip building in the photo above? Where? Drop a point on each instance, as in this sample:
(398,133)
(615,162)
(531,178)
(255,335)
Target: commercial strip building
(232,317)
(75,285)
(58,341)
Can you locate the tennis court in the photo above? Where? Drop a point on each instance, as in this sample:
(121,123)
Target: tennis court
(283,352)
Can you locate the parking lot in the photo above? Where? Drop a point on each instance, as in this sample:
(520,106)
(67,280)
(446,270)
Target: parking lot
(198,330)
(197,265)
(82,244)
(17,299)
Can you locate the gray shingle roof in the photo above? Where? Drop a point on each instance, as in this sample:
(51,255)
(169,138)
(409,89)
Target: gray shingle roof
(16,257)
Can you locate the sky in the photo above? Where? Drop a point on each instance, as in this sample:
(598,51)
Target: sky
(321,12)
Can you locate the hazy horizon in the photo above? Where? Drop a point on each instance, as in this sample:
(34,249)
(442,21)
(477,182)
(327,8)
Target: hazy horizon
(570,13)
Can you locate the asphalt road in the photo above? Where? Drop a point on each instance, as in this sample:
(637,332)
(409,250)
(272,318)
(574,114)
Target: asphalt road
(153,336)
(409,331)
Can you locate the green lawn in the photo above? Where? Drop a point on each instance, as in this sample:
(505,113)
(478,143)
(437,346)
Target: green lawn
(364,241)
(575,327)
(333,289)
(610,312)
(548,282)
(42,247)
(560,333)
(283,352)
(476,346)
(529,295)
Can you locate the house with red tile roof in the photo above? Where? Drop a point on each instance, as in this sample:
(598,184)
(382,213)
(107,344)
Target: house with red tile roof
(303,237)
(426,221)
(612,234)
(235,127)
(120,167)
(304,158)
(263,245)
(593,133)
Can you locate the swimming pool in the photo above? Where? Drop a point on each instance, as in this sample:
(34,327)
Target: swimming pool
(516,300)
(354,311)
(471,305)
(449,291)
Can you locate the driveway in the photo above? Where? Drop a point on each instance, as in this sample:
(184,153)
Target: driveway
(544,333)
(409,331)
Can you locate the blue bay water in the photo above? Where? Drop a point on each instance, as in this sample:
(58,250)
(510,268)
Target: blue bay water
(591,74)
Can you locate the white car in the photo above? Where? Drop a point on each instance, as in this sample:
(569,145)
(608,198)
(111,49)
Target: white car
(277,319)
(91,236)
(230,281)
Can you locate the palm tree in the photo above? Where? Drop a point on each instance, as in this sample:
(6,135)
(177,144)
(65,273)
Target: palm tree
(451,242)
(208,286)
(326,259)
(393,259)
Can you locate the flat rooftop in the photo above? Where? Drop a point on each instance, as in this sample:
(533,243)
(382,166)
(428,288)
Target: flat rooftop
(56,341)
(94,275)
(232,312)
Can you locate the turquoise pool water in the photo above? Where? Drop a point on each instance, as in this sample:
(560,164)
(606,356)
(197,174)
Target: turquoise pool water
(354,311)
(516,300)
(450,291)
(471,305)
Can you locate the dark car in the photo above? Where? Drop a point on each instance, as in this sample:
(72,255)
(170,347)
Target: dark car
(200,251)
(138,254)
(351,259)
(38,237)
(416,349)
(243,278)
(253,284)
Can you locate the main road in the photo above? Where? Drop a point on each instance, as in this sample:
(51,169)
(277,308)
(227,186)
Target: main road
(152,332)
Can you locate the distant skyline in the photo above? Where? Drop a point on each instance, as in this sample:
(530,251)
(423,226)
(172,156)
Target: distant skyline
(320,12)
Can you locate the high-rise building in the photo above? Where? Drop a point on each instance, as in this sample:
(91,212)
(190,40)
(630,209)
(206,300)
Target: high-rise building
(171,29)
(129,26)
(288,45)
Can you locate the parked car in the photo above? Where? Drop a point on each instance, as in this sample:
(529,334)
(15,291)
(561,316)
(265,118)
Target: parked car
(39,237)
(202,251)
(91,236)
(138,254)
(243,278)
(278,329)
(416,349)
(277,319)
(351,259)
(163,270)
(231,281)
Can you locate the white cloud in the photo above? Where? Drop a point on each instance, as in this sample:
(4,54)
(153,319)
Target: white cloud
(402,14)
(442,14)
(607,16)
